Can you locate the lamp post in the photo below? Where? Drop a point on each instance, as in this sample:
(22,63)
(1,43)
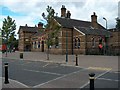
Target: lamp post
(106,22)
(66,46)
(105,36)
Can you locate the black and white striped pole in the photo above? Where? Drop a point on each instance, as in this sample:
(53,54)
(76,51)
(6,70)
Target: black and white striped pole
(6,73)
(91,77)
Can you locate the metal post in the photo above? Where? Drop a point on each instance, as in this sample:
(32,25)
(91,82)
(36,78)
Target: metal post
(6,73)
(76,60)
(66,46)
(106,29)
(91,77)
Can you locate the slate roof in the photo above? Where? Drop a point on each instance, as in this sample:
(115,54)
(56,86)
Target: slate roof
(70,23)
(38,34)
(28,29)
(114,30)
(89,31)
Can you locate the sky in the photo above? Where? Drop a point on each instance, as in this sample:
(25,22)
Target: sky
(29,11)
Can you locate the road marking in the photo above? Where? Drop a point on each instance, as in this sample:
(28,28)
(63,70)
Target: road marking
(95,78)
(16,82)
(108,79)
(43,72)
(58,78)
(46,65)
(25,63)
(99,68)
(85,84)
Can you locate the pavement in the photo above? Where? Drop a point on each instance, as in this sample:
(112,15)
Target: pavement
(105,67)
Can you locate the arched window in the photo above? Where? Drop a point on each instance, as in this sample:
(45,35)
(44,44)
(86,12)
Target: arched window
(93,42)
(56,42)
(75,43)
(100,40)
(39,44)
(78,43)
(35,45)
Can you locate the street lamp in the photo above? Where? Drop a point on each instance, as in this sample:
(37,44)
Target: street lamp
(105,36)
(106,22)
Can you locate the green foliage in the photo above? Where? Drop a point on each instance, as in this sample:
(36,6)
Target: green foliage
(8,30)
(118,23)
(51,26)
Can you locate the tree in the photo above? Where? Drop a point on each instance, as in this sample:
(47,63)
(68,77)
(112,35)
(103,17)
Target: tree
(51,27)
(118,23)
(8,31)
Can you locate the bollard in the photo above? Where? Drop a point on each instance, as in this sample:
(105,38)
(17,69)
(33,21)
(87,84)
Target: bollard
(76,60)
(6,73)
(91,77)
(21,55)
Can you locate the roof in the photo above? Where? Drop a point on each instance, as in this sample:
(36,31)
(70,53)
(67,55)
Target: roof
(114,30)
(89,31)
(28,29)
(39,34)
(70,23)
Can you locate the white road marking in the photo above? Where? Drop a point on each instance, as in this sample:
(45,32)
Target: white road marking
(25,63)
(102,74)
(108,79)
(16,82)
(85,84)
(95,78)
(43,72)
(46,65)
(57,78)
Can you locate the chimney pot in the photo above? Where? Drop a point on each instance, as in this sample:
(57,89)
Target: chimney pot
(68,14)
(63,11)
(40,25)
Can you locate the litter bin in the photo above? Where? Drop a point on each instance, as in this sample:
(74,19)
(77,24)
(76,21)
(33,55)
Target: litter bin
(21,55)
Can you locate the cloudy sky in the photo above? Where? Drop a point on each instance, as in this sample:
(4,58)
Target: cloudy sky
(29,11)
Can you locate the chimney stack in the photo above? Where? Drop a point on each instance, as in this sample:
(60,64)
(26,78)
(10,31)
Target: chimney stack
(68,14)
(94,20)
(40,25)
(26,25)
(63,11)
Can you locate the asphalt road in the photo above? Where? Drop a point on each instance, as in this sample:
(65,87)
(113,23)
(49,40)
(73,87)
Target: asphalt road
(38,74)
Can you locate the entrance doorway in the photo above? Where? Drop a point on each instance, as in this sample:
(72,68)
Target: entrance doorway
(28,48)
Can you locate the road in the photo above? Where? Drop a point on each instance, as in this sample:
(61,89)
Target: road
(39,74)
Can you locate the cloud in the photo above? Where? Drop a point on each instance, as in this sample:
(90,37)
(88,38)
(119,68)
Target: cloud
(31,10)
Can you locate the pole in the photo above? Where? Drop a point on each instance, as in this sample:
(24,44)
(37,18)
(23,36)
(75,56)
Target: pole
(105,36)
(76,60)
(91,77)
(48,47)
(66,46)
(6,73)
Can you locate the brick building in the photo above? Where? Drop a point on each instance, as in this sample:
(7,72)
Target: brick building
(75,36)
(114,43)
(25,35)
